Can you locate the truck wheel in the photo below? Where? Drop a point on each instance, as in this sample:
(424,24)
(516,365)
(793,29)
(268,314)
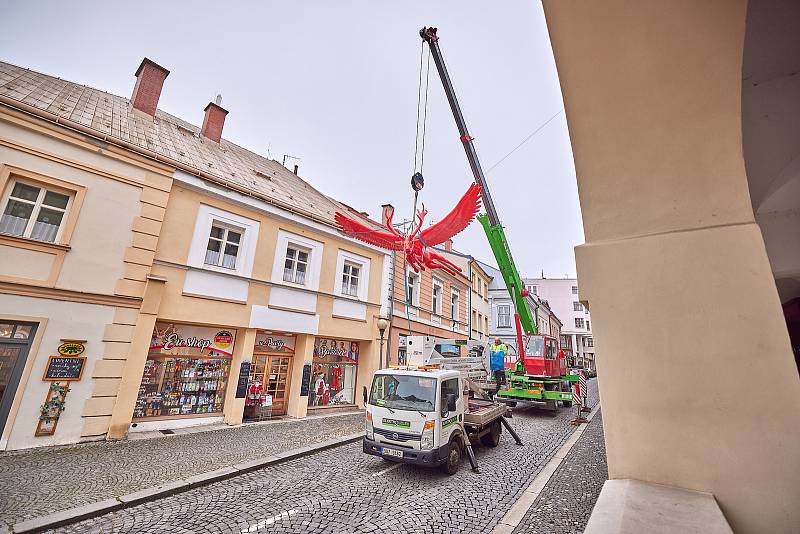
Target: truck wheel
(492,438)
(450,467)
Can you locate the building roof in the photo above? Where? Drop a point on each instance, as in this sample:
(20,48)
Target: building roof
(176,141)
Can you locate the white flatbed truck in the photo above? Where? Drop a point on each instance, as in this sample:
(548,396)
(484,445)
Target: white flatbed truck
(426,414)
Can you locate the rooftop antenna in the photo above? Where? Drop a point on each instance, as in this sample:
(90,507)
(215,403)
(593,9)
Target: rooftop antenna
(290,157)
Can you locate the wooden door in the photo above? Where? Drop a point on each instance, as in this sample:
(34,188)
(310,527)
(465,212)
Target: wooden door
(276,382)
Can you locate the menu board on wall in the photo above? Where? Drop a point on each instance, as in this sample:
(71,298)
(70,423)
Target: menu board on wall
(64,368)
(306,383)
(241,385)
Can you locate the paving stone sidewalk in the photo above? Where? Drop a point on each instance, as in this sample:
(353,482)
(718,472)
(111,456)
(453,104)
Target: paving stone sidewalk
(566,502)
(41,481)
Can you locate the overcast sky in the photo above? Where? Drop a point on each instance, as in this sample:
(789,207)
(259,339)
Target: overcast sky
(335,84)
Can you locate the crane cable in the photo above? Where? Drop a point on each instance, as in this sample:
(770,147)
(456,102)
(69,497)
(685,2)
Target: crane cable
(419,154)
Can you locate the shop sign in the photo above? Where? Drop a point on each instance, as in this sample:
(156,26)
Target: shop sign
(168,337)
(71,348)
(274,343)
(336,349)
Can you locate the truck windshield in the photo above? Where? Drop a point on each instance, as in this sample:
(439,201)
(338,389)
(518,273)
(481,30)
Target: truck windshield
(401,392)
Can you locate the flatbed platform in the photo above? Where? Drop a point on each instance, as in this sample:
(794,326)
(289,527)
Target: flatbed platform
(483,412)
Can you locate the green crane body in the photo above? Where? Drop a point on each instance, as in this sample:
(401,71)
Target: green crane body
(502,253)
(534,376)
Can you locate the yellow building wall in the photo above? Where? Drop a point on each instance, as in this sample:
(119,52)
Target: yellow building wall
(174,306)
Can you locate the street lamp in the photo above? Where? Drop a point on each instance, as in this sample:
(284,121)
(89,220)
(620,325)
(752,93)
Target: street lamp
(383,324)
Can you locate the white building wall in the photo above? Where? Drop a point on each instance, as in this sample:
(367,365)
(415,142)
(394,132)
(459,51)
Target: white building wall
(57,320)
(559,295)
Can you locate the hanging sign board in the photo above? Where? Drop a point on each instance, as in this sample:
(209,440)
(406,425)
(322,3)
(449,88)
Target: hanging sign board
(63,368)
(306,382)
(71,348)
(244,376)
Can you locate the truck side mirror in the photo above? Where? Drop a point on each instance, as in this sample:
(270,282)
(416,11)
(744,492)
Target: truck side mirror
(364,392)
(451,402)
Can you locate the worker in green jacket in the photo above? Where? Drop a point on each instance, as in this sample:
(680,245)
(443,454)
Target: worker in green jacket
(497,352)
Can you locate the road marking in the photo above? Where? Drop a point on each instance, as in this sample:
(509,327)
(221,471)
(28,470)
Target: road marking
(267,522)
(395,466)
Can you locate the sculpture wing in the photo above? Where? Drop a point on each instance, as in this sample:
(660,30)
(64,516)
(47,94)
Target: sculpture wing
(455,221)
(364,233)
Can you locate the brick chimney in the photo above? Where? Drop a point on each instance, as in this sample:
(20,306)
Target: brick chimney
(448,245)
(149,79)
(387,209)
(214,120)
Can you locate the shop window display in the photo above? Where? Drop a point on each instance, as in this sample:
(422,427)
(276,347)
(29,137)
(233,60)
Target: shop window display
(333,376)
(186,372)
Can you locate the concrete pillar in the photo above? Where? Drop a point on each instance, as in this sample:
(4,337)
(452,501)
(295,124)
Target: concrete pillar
(367,366)
(122,413)
(243,351)
(303,352)
(673,259)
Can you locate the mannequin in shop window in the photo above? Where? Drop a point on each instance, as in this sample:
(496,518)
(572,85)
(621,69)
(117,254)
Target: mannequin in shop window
(319,388)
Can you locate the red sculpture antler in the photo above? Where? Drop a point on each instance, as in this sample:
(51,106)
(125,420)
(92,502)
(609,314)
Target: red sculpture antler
(416,246)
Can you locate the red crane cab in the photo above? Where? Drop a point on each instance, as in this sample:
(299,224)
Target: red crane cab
(542,357)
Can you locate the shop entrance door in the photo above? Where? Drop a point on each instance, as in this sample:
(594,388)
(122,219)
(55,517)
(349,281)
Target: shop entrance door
(15,342)
(273,373)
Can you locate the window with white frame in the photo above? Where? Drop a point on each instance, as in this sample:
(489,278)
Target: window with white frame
(351,274)
(34,212)
(587,325)
(503,315)
(413,289)
(579,322)
(295,266)
(437,297)
(223,245)
(534,290)
(590,342)
(574,290)
(577,306)
(480,323)
(454,305)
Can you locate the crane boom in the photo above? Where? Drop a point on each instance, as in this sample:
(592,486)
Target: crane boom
(490,221)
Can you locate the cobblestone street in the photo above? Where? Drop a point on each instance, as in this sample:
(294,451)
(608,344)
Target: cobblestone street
(566,502)
(343,490)
(103,470)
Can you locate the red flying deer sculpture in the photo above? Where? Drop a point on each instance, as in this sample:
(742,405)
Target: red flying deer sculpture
(417,245)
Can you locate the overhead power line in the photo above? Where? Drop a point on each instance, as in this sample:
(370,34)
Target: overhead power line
(537,130)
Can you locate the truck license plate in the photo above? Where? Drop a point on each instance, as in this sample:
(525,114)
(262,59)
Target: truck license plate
(391,452)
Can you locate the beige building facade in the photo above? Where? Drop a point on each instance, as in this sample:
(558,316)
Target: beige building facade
(161,294)
(70,270)
(690,220)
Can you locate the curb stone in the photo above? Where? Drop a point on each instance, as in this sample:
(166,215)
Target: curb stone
(88,511)
(516,513)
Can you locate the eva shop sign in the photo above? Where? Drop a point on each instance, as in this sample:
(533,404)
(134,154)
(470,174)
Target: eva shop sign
(171,338)
(274,343)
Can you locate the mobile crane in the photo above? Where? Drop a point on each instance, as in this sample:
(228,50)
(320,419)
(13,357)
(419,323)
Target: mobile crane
(540,370)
